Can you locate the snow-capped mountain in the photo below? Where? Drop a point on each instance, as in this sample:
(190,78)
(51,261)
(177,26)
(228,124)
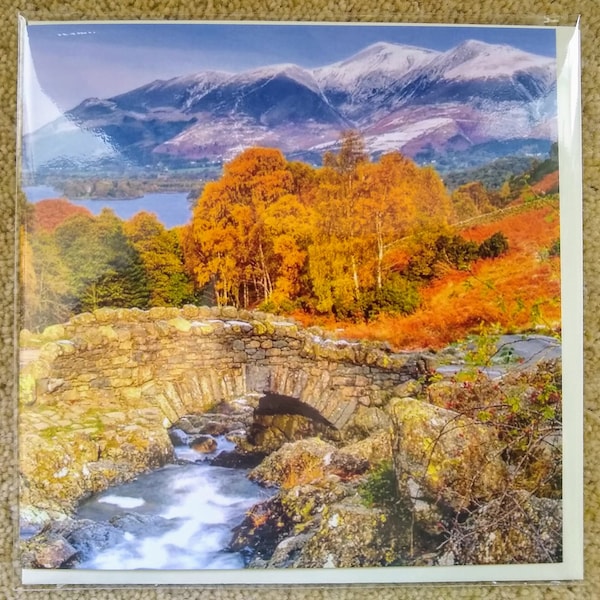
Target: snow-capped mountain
(273,96)
(473,59)
(483,71)
(178,92)
(355,83)
(400,97)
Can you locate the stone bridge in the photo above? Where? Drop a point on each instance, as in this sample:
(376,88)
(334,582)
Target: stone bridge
(183,361)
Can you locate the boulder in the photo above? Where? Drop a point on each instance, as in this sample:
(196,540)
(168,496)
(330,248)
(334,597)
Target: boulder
(452,459)
(186,425)
(288,551)
(514,528)
(264,438)
(137,524)
(376,448)
(92,537)
(223,419)
(137,447)
(428,515)
(213,427)
(50,551)
(364,422)
(265,525)
(352,535)
(441,393)
(33,520)
(235,459)
(273,532)
(204,444)
(178,437)
(346,465)
(304,504)
(294,463)
(411,388)
(268,432)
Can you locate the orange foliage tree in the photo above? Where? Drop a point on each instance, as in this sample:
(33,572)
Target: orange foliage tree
(236,225)
(49,214)
(274,231)
(364,208)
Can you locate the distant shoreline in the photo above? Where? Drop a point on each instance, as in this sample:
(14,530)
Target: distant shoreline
(171,208)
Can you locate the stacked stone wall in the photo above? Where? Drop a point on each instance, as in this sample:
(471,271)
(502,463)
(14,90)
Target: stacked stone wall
(187,360)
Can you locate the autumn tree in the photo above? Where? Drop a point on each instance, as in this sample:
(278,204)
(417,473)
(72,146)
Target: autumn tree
(105,269)
(288,224)
(304,181)
(386,207)
(47,294)
(364,208)
(434,205)
(470,200)
(270,231)
(352,153)
(337,250)
(49,214)
(231,244)
(160,253)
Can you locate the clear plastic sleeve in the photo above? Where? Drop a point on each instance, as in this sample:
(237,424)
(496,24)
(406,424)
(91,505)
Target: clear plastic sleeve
(300,302)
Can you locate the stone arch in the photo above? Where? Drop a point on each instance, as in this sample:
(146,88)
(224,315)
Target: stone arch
(272,404)
(125,376)
(278,419)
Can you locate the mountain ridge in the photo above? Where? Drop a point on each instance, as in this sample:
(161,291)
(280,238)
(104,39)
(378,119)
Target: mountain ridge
(399,97)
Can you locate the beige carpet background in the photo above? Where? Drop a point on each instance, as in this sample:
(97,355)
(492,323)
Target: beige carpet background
(459,11)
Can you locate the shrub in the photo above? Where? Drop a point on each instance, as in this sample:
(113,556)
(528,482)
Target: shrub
(526,410)
(435,252)
(494,246)
(456,250)
(380,488)
(397,296)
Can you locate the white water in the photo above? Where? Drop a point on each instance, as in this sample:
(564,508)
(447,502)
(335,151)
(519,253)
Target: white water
(122,501)
(200,505)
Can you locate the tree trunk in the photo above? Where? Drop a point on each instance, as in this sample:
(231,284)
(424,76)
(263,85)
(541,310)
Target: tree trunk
(379,264)
(355,279)
(268,288)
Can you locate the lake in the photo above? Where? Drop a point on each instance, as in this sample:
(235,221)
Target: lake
(171,209)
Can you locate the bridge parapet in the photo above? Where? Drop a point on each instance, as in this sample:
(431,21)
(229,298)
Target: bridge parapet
(187,360)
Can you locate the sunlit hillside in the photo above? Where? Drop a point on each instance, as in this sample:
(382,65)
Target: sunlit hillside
(519,291)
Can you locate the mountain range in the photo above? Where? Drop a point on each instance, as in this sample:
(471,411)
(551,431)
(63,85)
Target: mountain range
(399,97)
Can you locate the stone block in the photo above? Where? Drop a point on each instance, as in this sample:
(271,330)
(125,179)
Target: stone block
(229,312)
(238,345)
(130,395)
(85,318)
(190,312)
(202,328)
(205,312)
(257,378)
(105,315)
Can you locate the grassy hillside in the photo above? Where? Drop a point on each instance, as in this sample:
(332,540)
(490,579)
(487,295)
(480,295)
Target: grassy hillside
(518,291)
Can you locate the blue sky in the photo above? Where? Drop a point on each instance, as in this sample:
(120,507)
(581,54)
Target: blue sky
(76,61)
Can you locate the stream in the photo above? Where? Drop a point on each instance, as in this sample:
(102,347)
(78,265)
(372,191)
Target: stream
(177,517)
